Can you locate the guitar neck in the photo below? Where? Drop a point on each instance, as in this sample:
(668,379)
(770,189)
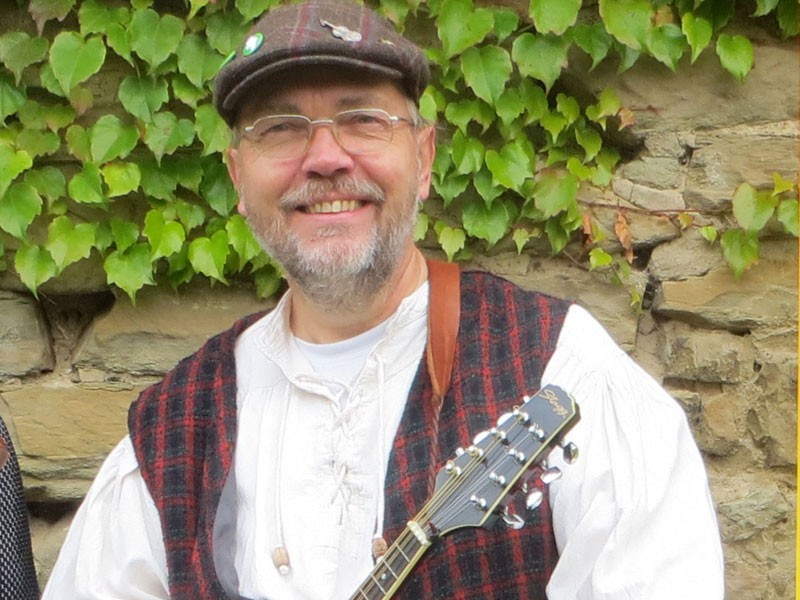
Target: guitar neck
(395,565)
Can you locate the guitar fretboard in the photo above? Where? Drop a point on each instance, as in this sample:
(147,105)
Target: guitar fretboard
(393,567)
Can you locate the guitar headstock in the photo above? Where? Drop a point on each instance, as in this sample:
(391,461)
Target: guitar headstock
(471,488)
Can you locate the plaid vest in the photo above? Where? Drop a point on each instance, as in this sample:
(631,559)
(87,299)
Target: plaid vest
(184,429)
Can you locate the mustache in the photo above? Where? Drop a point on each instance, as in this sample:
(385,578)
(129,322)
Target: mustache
(314,189)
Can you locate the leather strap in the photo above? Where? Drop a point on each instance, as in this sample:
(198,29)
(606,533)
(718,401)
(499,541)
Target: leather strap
(444,312)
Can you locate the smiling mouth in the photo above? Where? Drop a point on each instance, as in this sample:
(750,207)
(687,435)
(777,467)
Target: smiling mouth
(336,206)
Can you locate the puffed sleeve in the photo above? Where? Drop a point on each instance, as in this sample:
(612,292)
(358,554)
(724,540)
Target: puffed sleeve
(114,547)
(633,517)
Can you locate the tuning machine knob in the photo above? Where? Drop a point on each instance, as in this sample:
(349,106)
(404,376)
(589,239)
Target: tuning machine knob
(570,452)
(478,502)
(512,520)
(550,475)
(534,499)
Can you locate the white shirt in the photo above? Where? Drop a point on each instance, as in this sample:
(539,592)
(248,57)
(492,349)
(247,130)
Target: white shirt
(633,517)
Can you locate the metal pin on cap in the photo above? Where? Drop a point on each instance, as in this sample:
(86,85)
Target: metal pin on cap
(342,32)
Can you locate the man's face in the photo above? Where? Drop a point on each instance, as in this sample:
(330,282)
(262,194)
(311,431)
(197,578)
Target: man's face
(330,216)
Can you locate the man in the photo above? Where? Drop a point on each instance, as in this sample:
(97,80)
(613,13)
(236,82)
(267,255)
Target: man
(278,460)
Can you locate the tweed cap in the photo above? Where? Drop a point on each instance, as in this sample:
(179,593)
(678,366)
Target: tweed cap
(318,32)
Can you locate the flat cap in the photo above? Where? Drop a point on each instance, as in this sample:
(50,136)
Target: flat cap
(318,32)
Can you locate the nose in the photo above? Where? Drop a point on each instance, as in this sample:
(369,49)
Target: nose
(324,155)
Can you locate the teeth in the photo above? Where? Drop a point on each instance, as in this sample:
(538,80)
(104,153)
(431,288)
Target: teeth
(336,206)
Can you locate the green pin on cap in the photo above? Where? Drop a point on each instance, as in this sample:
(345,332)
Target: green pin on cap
(252,43)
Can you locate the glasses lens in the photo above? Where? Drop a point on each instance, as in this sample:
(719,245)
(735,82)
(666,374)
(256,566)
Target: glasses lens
(363,131)
(280,135)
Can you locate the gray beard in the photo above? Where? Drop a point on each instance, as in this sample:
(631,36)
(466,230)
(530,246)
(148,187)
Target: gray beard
(338,277)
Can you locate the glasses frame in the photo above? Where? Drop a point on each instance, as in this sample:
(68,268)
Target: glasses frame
(394,120)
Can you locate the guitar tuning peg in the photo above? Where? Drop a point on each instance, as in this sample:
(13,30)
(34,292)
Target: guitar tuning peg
(550,475)
(512,521)
(570,452)
(534,499)
(480,437)
(537,432)
(504,419)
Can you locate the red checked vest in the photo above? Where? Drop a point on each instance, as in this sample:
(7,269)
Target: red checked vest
(184,429)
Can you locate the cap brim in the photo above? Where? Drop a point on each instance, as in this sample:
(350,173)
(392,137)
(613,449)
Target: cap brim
(259,77)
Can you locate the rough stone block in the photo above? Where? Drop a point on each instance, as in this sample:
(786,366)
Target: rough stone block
(707,356)
(686,256)
(24,341)
(83,277)
(63,432)
(704,95)
(647,230)
(759,505)
(765,296)
(67,421)
(728,157)
(163,328)
(773,421)
(659,172)
(718,420)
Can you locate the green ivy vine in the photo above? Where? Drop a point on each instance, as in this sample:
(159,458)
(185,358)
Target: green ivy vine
(134,176)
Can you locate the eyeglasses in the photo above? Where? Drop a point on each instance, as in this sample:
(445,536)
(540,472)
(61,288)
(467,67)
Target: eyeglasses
(361,131)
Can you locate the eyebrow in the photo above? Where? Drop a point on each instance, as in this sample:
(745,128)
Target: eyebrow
(364,99)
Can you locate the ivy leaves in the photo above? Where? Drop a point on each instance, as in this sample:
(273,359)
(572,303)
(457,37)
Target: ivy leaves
(130,154)
(665,32)
(147,191)
(18,50)
(516,158)
(155,38)
(516,145)
(753,209)
(74,59)
(554,16)
(736,54)
(461,26)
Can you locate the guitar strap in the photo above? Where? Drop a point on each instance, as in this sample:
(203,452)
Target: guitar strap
(444,312)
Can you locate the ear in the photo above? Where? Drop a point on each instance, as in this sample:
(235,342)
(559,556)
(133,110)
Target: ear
(426,150)
(232,162)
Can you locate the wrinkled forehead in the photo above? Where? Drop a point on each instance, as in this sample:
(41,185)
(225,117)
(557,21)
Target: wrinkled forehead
(339,89)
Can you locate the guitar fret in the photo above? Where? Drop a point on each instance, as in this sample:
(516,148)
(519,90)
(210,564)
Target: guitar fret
(388,568)
(378,583)
(405,556)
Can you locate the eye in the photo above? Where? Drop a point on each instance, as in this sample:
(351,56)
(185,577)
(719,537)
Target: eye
(363,119)
(268,128)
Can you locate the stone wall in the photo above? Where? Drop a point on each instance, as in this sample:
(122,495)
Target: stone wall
(72,361)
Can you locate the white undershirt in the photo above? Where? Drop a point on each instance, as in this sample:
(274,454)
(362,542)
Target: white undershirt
(633,517)
(342,360)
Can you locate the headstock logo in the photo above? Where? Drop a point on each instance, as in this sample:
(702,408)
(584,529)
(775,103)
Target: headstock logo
(553,399)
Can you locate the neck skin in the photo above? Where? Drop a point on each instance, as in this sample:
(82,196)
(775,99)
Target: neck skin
(313,324)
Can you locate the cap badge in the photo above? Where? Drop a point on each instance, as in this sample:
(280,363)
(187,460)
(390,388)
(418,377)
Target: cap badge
(342,32)
(252,43)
